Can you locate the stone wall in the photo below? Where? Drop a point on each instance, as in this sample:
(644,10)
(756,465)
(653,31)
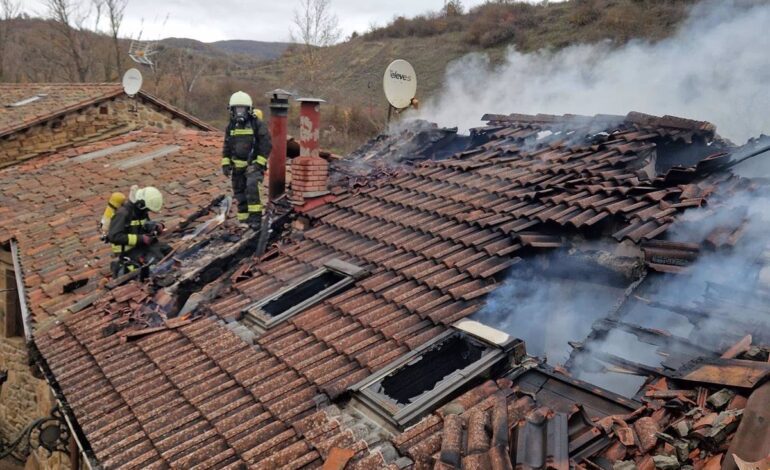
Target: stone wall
(89,124)
(23,397)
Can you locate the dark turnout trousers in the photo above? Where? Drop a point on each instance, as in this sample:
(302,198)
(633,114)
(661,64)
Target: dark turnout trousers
(246,182)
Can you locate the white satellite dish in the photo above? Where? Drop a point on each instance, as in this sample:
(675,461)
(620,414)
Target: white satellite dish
(132,81)
(400,83)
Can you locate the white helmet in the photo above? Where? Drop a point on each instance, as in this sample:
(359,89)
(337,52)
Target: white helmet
(240,98)
(151,198)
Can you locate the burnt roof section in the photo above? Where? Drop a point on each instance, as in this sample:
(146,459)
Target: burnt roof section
(436,240)
(57,99)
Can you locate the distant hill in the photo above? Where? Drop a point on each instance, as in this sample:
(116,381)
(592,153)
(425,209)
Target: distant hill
(257,49)
(200,77)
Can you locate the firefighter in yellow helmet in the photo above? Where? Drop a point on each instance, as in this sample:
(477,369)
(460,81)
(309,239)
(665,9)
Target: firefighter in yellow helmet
(244,156)
(134,237)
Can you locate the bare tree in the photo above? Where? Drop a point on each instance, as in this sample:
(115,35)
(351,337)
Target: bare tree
(314,26)
(115,11)
(8,11)
(188,68)
(70,17)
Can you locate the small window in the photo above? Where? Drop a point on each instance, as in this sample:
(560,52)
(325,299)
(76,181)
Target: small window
(103,110)
(331,279)
(12,324)
(418,382)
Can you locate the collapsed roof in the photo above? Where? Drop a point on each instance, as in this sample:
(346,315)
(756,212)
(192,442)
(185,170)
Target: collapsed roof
(425,249)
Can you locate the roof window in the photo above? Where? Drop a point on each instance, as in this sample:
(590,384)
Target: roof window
(27,101)
(307,291)
(418,382)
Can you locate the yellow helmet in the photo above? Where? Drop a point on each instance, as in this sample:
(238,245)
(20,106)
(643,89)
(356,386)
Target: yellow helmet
(240,98)
(258,114)
(151,198)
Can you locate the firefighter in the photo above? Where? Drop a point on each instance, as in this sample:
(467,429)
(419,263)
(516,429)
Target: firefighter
(244,156)
(134,236)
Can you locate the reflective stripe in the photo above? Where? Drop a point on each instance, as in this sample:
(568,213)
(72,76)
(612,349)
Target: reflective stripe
(133,240)
(261,160)
(243,215)
(240,163)
(226,161)
(138,223)
(118,249)
(235,132)
(255,207)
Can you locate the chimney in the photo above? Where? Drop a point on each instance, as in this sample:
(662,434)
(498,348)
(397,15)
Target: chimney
(309,172)
(279,112)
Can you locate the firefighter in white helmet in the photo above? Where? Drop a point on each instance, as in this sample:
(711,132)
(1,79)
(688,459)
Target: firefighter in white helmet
(244,156)
(134,237)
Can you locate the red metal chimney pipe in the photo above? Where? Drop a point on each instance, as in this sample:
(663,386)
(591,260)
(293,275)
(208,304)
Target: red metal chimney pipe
(279,112)
(309,126)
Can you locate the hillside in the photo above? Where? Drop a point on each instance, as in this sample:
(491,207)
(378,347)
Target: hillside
(254,50)
(257,49)
(199,77)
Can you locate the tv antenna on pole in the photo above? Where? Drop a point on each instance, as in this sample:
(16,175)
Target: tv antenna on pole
(142,52)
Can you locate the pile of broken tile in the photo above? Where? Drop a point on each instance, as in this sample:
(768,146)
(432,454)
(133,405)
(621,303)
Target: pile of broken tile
(679,425)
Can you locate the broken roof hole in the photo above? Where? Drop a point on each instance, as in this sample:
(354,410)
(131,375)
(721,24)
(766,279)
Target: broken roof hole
(422,375)
(74,285)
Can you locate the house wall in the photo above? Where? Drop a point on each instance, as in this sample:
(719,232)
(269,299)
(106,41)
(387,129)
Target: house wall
(89,124)
(23,397)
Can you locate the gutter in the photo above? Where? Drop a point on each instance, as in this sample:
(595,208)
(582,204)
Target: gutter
(87,455)
(21,292)
(76,432)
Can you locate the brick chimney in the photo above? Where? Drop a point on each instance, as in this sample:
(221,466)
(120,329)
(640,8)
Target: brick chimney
(309,172)
(279,111)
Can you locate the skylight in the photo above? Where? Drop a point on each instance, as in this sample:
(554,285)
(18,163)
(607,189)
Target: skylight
(307,291)
(27,101)
(418,382)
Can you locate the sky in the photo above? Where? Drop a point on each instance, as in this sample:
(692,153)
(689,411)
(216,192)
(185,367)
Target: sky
(263,20)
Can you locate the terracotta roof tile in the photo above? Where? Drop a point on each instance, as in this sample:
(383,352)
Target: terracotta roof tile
(434,241)
(52,258)
(55,99)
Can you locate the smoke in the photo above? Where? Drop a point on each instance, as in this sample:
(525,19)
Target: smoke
(722,297)
(548,301)
(715,68)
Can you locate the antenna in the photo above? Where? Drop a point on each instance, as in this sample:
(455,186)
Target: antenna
(141,51)
(132,82)
(400,84)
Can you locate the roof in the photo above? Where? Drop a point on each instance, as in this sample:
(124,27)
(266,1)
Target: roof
(52,206)
(61,98)
(435,241)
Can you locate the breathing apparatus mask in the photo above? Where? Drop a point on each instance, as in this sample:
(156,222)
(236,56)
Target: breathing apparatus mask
(239,114)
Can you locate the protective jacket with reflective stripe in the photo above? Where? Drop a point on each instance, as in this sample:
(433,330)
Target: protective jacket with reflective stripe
(246,143)
(126,228)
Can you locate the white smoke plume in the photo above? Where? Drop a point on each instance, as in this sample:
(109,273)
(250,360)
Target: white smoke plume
(715,68)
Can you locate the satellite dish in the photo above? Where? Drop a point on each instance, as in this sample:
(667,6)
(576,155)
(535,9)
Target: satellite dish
(132,81)
(400,83)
